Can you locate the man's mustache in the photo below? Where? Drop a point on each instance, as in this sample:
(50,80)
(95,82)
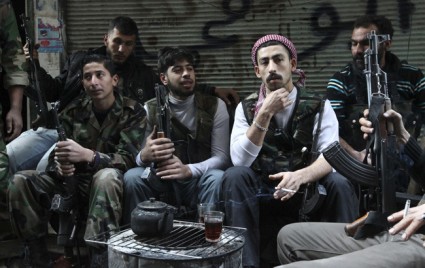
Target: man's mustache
(273,76)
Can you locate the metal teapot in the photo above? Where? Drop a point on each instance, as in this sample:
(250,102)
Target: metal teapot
(152,218)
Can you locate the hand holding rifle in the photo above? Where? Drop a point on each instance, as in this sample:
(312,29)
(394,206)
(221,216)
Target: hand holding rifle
(157,148)
(395,118)
(30,49)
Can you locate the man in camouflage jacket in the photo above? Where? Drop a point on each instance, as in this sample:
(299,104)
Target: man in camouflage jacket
(104,132)
(13,79)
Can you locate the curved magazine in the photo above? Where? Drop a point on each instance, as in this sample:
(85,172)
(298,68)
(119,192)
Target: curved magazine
(350,167)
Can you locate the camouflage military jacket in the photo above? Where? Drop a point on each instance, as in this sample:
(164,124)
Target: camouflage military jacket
(12,60)
(117,140)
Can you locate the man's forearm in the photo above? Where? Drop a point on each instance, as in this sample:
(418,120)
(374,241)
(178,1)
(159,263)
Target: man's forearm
(317,170)
(16,94)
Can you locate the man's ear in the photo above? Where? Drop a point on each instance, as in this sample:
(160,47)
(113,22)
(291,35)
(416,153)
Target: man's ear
(257,71)
(163,78)
(293,64)
(105,39)
(115,80)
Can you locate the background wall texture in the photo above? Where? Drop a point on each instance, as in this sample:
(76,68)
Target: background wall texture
(223,32)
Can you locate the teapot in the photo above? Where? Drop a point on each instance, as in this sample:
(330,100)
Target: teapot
(152,218)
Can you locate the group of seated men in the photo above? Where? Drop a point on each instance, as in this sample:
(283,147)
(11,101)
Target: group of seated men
(110,155)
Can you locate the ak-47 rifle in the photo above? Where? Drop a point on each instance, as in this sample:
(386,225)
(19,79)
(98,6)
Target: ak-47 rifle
(162,131)
(377,177)
(41,104)
(66,206)
(163,117)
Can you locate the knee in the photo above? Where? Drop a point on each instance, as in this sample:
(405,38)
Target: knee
(212,177)
(107,177)
(235,176)
(132,178)
(336,182)
(17,182)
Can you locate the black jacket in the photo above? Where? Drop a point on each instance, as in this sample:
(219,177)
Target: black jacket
(138,79)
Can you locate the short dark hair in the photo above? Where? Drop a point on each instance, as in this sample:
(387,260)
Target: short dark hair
(383,24)
(124,25)
(98,58)
(168,56)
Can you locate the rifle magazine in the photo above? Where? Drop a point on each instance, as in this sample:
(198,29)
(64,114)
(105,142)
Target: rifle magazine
(350,167)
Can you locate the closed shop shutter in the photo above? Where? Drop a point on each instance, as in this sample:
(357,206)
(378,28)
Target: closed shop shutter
(223,32)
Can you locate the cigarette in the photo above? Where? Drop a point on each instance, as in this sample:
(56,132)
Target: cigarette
(287,190)
(406,208)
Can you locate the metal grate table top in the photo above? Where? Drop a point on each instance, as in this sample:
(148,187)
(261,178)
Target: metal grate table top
(186,241)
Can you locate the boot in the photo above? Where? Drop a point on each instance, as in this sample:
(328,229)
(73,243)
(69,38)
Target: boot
(36,254)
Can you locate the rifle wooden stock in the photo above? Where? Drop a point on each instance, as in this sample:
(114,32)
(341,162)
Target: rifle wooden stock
(351,228)
(350,167)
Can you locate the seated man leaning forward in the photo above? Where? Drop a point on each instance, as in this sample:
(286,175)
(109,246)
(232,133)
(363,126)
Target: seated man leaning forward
(320,244)
(189,162)
(104,131)
(269,134)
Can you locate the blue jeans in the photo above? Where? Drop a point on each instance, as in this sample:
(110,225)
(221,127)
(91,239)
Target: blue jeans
(26,151)
(190,192)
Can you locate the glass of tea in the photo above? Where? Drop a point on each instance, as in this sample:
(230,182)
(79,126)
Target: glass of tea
(203,208)
(213,225)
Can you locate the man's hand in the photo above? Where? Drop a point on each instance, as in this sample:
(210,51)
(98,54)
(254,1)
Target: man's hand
(276,101)
(289,180)
(229,96)
(173,169)
(65,169)
(13,124)
(157,149)
(392,116)
(34,51)
(410,224)
(71,152)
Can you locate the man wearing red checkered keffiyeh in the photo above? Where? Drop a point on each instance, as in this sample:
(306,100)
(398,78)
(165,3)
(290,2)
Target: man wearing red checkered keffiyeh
(272,133)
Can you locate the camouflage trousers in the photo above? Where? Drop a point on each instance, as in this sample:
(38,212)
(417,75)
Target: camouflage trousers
(4,163)
(30,194)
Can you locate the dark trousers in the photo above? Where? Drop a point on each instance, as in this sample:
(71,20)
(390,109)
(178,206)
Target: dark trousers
(243,192)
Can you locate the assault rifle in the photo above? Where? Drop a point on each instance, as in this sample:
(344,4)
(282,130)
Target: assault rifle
(41,104)
(65,206)
(163,117)
(380,195)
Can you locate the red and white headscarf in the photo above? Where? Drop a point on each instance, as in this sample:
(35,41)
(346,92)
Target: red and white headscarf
(292,51)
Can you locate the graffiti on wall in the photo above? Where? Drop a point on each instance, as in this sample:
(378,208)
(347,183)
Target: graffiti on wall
(324,21)
(223,31)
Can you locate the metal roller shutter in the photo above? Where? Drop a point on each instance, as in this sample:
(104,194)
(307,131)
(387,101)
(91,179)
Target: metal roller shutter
(224,31)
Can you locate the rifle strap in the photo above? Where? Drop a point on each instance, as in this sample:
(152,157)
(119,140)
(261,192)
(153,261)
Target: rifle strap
(318,130)
(314,193)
